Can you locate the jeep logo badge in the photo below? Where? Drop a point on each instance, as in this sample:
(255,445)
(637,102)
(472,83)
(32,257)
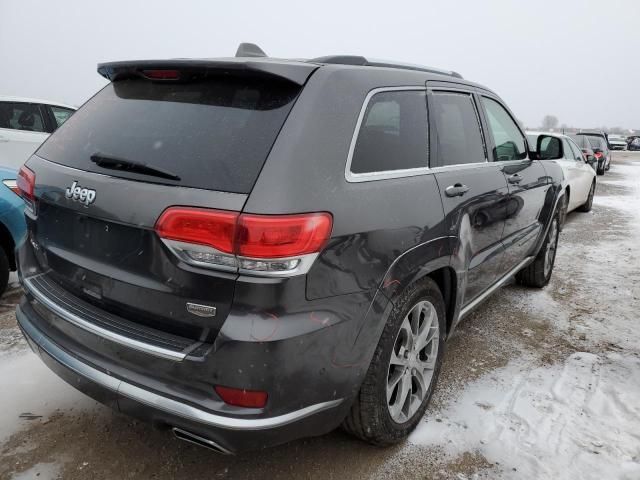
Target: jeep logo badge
(79,194)
(201,310)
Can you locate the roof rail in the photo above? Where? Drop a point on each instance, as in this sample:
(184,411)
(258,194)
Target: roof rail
(362,61)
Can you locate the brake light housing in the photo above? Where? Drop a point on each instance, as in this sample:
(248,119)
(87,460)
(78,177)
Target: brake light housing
(26,185)
(272,245)
(241,397)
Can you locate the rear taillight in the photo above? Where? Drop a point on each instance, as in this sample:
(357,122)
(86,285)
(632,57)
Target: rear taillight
(26,184)
(12,185)
(260,244)
(597,154)
(242,398)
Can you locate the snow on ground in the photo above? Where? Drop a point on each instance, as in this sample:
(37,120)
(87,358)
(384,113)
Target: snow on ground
(35,392)
(578,418)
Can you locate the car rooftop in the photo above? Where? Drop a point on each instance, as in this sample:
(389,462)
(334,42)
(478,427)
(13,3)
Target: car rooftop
(6,98)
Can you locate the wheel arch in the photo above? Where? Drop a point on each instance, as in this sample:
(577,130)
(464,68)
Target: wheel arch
(8,245)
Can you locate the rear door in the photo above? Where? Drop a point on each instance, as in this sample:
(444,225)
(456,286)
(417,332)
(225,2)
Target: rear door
(22,130)
(200,143)
(583,174)
(527,180)
(473,190)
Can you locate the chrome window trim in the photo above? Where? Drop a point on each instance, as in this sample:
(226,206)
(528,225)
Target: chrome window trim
(160,402)
(385,174)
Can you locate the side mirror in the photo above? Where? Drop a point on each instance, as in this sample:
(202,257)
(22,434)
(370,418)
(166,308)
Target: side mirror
(549,148)
(591,159)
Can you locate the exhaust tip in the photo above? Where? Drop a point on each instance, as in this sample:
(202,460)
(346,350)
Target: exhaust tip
(186,436)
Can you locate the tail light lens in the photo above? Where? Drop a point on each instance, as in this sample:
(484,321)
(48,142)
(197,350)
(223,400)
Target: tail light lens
(242,398)
(26,182)
(260,244)
(26,185)
(597,154)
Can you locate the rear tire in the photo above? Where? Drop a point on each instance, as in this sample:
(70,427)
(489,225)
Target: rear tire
(586,206)
(538,273)
(382,413)
(4,271)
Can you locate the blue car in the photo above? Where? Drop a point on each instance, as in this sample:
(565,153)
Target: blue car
(12,224)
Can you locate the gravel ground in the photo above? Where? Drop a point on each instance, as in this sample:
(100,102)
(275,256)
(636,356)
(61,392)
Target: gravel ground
(535,384)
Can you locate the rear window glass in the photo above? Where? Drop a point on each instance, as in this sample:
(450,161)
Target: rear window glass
(393,133)
(213,134)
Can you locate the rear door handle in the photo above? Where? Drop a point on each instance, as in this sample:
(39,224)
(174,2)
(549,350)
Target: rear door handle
(515,178)
(456,190)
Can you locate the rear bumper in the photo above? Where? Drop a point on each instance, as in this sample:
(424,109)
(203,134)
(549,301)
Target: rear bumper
(231,434)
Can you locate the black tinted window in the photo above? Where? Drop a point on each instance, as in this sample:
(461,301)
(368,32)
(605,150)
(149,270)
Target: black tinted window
(507,137)
(456,122)
(60,114)
(393,133)
(213,134)
(21,116)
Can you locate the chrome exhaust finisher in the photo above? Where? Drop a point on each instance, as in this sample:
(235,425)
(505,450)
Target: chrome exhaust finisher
(200,441)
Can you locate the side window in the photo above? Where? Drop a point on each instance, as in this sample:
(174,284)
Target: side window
(457,128)
(577,153)
(568,153)
(393,134)
(21,116)
(60,114)
(508,140)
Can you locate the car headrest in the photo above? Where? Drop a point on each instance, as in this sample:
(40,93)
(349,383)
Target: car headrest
(27,119)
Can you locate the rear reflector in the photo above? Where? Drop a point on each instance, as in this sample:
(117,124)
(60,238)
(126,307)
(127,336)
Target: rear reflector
(242,398)
(274,244)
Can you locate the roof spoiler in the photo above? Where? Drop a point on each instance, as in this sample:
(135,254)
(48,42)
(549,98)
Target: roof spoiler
(296,72)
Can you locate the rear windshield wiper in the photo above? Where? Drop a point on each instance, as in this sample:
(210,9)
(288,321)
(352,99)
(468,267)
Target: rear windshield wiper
(114,163)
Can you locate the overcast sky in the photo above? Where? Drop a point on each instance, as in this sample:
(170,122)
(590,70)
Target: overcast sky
(578,60)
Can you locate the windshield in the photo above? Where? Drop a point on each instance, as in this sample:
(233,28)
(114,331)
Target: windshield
(213,134)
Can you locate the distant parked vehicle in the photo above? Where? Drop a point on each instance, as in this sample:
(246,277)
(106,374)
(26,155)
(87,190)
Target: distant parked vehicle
(12,224)
(585,148)
(580,177)
(633,143)
(598,142)
(24,124)
(617,142)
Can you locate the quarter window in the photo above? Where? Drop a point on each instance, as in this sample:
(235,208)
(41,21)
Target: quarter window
(507,137)
(393,133)
(458,136)
(21,116)
(60,114)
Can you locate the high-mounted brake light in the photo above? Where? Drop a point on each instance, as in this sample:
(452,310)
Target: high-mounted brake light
(162,74)
(242,398)
(259,244)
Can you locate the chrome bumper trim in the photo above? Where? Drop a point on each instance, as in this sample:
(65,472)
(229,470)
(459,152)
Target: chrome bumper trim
(97,330)
(160,402)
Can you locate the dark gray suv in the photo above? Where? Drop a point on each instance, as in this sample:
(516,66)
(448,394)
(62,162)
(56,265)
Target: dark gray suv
(250,250)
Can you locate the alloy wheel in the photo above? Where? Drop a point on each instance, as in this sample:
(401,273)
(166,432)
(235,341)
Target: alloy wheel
(413,361)
(552,245)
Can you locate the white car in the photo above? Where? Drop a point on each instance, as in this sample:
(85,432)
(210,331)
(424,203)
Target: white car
(24,124)
(617,142)
(580,177)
